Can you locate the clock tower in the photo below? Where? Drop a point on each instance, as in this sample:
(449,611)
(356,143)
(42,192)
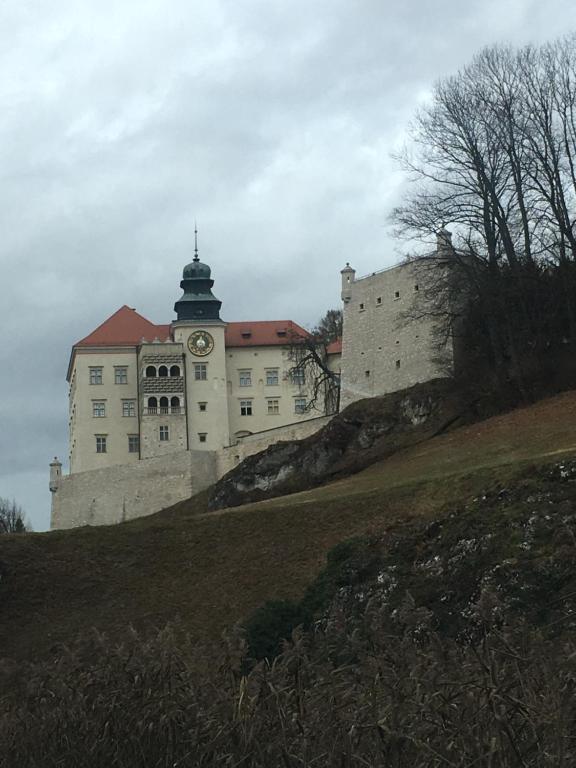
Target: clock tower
(200,330)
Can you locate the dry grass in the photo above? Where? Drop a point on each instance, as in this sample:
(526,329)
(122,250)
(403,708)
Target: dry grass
(350,697)
(212,569)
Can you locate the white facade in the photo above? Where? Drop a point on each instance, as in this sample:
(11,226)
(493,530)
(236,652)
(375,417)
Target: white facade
(115,421)
(140,391)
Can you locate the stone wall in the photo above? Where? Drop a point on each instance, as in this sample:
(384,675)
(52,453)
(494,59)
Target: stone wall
(115,494)
(382,351)
(232,455)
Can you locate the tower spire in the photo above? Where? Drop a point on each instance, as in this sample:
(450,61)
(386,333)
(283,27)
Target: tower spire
(195,242)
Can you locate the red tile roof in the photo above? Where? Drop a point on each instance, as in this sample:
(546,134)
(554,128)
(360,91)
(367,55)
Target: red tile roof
(263,333)
(124,328)
(127,328)
(335,348)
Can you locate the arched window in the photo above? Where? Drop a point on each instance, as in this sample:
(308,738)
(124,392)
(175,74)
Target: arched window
(163,371)
(175,370)
(175,404)
(152,405)
(150,372)
(163,405)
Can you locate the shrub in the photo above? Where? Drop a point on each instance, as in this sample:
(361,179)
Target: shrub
(270,624)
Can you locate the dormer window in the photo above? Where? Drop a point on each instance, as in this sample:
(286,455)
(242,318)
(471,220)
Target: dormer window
(246,334)
(281,333)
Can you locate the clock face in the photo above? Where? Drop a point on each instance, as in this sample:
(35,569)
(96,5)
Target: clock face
(200,343)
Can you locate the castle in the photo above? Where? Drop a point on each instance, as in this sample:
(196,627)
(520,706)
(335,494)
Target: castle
(159,412)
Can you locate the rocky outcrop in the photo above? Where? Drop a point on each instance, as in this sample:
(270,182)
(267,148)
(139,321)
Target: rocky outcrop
(365,432)
(511,551)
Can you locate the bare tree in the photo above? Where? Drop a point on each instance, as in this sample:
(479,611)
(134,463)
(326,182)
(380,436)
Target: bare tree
(494,155)
(12,517)
(309,355)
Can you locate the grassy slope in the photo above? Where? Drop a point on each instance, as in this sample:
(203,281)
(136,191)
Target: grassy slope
(211,569)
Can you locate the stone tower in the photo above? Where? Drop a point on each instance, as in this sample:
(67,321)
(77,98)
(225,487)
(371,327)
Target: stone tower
(200,330)
(55,474)
(348,277)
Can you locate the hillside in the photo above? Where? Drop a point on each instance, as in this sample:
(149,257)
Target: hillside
(211,569)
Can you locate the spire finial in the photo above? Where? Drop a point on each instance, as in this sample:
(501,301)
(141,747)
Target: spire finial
(196,243)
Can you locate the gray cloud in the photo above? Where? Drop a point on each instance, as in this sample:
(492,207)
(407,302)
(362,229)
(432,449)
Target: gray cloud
(270,122)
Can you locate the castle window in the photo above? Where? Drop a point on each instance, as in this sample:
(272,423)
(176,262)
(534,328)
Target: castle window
(300,405)
(245,378)
(150,372)
(163,405)
(100,443)
(367,374)
(200,372)
(202,406)
(128,408)
(152,405)
(175,404)
(397,363)
(245,407)
(202,437)
(175,370)
(379,300)
(416,288)
(95,375)
(361,307)
(164,434)
(98,409)
(120,375)
(163,371)
(396,294)
(272,377)
(298,376)
(133,444)
(273,406)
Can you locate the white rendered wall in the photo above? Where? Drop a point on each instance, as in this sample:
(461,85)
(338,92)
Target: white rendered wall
(259,360)
(156,355)
(84,426)
(213,391)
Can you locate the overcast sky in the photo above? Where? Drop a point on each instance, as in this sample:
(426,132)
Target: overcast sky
(272,122)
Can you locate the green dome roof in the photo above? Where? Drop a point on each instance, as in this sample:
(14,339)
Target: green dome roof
(196,270)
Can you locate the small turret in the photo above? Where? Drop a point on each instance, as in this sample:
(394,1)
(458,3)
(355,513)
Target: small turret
(55,474)
(444,242)
(348,276)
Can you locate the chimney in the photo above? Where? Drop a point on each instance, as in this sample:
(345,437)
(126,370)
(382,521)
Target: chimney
(444,242)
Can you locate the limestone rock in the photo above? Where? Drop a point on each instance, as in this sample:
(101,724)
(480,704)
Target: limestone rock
(365,432)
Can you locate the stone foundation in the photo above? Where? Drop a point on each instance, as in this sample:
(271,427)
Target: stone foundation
(114,494)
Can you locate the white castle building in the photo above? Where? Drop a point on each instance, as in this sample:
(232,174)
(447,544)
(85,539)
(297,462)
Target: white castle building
(198,394)
(159,412)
